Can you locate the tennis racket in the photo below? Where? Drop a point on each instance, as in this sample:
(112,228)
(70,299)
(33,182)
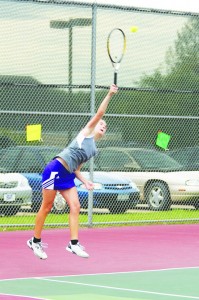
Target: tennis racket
(116,46)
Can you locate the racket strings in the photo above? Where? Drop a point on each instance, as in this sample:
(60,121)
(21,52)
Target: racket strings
(116,46)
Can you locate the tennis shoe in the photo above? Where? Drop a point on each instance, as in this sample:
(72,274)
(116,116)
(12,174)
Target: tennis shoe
(77,249)
(37,248)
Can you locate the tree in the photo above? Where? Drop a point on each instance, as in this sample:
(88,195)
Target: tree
(182,62)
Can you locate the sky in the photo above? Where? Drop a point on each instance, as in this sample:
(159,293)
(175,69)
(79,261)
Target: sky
(176,5)
(29,47)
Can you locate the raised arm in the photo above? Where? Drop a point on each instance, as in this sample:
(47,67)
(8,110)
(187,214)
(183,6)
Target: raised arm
(87,130)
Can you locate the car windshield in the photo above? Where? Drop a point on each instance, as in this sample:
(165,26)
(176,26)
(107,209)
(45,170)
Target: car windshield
(154,160)
(26,159)
(128,160)
(188,157)
(109,159)
(8,160)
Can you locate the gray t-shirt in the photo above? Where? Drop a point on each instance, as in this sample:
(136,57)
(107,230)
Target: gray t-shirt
(80,150)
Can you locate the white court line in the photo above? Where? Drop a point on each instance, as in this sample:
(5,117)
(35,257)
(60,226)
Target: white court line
(96,274)
(28,297)
(115,273)
(119,289)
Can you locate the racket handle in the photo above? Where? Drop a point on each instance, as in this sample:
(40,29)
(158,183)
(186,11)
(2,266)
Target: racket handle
(115,78)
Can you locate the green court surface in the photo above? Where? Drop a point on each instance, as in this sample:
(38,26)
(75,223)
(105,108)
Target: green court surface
(168,284)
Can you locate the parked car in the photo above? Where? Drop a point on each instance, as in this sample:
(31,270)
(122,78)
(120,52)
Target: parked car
(15,191)
(188,157)
(124,144)
(118,194)
(110,191)
(162,180)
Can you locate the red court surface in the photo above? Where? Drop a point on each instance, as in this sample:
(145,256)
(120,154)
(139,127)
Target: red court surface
(118,249)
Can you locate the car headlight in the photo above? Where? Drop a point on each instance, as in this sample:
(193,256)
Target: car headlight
(193,182)
(97,186)
(133,185)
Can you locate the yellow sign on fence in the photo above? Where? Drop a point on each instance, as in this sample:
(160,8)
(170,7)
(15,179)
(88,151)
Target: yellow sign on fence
(33,132)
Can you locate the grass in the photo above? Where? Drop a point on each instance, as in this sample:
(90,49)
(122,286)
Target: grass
(25,221)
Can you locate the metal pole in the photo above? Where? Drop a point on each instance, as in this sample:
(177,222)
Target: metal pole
(70,60)
(93,77)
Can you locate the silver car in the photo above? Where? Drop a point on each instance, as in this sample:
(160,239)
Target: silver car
(162,181)
(15,191)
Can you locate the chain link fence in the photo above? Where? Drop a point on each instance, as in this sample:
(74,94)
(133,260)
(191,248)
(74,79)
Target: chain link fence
(55,71)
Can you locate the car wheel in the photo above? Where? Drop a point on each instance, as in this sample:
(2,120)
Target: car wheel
(10,210)
(59,205)
(158,196)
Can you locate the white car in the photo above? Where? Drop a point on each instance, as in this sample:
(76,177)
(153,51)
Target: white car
(15,191)
(187,156)
(162,181)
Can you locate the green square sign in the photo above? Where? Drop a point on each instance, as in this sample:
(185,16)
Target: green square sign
(163,140)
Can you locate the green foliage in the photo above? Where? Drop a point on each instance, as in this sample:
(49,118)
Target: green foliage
(182,62)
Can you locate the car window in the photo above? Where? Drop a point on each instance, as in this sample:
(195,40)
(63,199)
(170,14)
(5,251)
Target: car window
(29,163)
(183,157)
(86,166)
(113,160)
(153,160)
(9,159)
(49,154)
(188,157)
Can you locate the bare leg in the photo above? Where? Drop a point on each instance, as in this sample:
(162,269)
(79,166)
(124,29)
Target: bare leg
(71,197)
(48,198)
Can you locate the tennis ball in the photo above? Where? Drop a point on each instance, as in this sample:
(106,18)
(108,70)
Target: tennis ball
(134,29)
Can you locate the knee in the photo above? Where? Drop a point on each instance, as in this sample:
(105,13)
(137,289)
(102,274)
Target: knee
(75,208)
(46,208)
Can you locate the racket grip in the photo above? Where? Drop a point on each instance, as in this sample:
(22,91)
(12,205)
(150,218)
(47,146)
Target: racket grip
(115,78)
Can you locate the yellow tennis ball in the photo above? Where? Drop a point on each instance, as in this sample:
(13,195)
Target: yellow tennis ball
(134,29)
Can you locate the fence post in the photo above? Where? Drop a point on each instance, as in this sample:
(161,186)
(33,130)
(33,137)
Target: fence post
(92,108)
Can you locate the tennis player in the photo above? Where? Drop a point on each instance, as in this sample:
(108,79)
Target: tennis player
(59,175)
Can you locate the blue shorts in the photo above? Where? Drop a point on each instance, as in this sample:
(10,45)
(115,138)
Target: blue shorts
(56,177)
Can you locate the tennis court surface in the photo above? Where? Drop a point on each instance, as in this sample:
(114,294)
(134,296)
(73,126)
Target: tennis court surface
(145,262)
